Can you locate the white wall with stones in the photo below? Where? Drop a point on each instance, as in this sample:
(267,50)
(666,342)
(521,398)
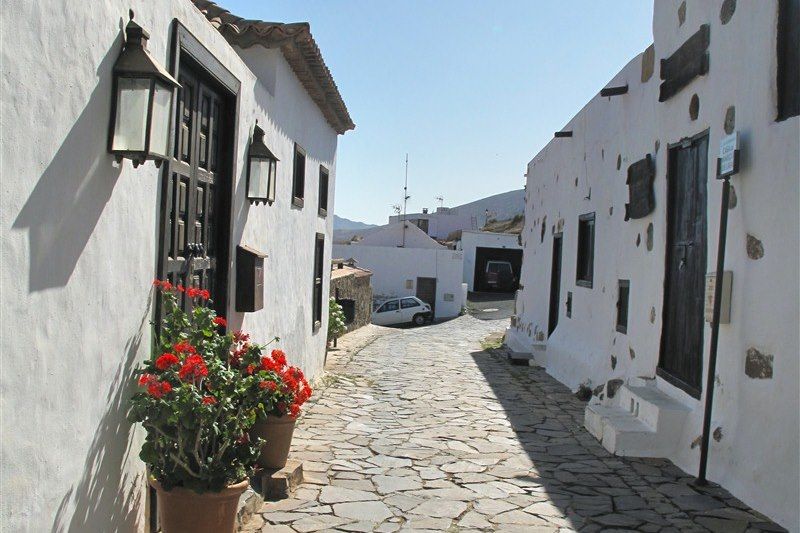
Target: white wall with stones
(757,456)
(79,252)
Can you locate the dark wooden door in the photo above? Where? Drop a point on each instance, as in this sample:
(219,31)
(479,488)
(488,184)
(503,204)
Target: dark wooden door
(426,291)
(681,360)
(194,224)
(555,286)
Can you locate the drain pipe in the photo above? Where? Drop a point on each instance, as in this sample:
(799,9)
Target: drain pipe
(712,356)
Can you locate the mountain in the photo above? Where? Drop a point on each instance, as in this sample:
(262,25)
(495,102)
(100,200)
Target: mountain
(341,223)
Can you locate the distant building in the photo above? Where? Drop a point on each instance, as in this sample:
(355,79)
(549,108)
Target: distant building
(351,287)
(621,231)
(422,267)
(481,247)
(442,223)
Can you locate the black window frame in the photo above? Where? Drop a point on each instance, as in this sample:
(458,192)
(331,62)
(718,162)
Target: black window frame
(324,184)
(584,264)
(298,176)
(319,263)
(788,51)
(623,304)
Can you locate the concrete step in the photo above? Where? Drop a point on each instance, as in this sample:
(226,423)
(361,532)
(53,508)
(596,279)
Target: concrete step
(640,421)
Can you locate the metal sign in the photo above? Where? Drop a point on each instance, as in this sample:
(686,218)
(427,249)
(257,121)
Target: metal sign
(728,161)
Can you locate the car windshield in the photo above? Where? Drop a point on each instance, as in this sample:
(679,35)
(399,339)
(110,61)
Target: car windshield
(405,303)
(499,268)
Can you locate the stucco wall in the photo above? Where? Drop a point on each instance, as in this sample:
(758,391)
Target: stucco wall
(440,225)
(757,457)
(393,235)
(392,267)
(79,254)
(470,240)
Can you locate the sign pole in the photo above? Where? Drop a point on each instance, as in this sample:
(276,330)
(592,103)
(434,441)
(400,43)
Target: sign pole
(712,357)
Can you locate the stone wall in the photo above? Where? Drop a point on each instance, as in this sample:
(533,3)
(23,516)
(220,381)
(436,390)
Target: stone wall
(355,287)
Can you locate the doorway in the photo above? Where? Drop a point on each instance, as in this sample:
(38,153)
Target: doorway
(555,285)
(681,358)
(426,291)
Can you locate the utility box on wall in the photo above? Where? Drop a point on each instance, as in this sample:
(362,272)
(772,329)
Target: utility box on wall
(249,279)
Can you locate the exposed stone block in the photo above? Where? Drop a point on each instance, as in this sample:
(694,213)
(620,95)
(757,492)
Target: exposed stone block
(612,386)
(755,248)
(758,365)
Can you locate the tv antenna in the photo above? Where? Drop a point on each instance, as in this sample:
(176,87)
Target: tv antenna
(397,208)
(405,202)
(440,199)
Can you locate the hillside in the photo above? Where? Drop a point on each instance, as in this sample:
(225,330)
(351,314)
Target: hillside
(501,206)
(341,223)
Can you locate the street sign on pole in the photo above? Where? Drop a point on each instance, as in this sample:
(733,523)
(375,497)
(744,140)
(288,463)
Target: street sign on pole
(728,161)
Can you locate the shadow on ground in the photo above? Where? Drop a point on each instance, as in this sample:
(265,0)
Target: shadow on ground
(591,488)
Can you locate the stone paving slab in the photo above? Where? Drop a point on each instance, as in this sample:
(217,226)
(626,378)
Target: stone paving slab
(421,430)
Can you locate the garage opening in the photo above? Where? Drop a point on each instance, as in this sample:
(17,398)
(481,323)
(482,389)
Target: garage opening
(497,269)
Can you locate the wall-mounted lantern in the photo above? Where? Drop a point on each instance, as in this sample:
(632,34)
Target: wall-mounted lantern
(142,102)
(261,170)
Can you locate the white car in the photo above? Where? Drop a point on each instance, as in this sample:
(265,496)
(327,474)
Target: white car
(409,309)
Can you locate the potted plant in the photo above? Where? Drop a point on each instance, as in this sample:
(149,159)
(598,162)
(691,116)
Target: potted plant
(279,390)
(336,321)
(196,413)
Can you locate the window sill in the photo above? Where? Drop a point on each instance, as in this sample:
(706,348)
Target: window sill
(322,213)
(297,202)
(584,283)
(622,329)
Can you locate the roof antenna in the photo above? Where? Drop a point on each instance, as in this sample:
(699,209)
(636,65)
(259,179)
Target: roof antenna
(405,203)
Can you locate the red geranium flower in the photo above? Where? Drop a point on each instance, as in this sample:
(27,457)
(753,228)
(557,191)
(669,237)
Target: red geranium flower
(209,400)
(184,347)
(240,336)
(194,367)
(220,321)
(251,369)
(166,360)
(279,357)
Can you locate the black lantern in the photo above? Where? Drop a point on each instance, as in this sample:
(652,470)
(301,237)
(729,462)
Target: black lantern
(261,170)
(142,102)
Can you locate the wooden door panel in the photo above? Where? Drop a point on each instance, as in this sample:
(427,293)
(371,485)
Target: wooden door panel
(682,334)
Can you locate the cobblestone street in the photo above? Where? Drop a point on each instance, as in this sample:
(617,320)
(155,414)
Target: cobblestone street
(423,430)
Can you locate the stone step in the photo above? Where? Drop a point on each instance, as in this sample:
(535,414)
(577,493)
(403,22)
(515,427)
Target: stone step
(640,421)
(279,484)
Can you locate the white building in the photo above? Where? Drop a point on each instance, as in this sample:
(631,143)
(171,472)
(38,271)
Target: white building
(605,297)
(84,235)
(442,223)
(482,246)
(422,268)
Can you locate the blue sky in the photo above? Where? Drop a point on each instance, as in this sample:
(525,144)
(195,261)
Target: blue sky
(472,90)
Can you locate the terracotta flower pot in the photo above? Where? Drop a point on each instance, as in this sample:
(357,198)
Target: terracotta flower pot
(186,511)
(277,432)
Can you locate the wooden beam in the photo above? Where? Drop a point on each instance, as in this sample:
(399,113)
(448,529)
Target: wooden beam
(563,134)
(614,91)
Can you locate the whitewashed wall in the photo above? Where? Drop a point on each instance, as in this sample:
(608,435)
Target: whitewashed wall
(471,240)
(757,457)
(394,235)
(392,267)
(440,225)
(79,254)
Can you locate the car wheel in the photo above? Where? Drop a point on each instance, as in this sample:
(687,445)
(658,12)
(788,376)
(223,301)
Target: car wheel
(419,320)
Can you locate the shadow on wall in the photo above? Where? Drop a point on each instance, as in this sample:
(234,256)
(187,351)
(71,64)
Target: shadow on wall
(65,205)
(106,498)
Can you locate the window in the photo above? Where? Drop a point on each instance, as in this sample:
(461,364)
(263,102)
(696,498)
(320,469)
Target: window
(623,293)
(585,267)
(407,303)
(391,305)
(323,191)
(422,223)
(788,58)
(348,308)
(319,261)
(299,176)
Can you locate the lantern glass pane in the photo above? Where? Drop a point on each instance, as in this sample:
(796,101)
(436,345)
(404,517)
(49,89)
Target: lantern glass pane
(130,124)
(259,170)
(159,126)
(271,182)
